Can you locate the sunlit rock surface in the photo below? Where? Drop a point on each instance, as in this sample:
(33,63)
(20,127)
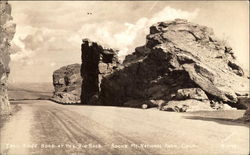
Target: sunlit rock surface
(67,83)
(178,56)
(7,31)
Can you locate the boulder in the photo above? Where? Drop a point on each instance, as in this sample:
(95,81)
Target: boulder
(7,30)
(97,62)
(140,53)
(144,106)
(180,59)
(216,105)
(67,83)
(189,105)
(243,102)
(190,93)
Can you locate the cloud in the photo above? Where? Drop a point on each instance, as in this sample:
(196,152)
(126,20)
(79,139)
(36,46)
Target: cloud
(29,42)
(53,32)
(34,41)
(169,13)
(128,35)
(52,64)
(18,48)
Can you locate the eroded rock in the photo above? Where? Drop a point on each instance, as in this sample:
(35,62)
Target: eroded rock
(97,62)
(243,102)
(7,31)
(178,56)
(187,106)
(67,83)
(246,117)
(190,93)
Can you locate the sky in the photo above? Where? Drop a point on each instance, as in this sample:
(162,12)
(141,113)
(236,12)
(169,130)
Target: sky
(49,33)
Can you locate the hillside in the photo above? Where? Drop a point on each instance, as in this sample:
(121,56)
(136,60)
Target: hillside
(21,91)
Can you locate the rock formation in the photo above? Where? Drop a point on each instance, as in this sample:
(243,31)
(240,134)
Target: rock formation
(183,67)
(181,61)
(97,62)
(246,117)
(7,31)
(67,83)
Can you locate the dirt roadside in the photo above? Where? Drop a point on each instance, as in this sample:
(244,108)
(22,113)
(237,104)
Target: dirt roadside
(44,127)
(4,118)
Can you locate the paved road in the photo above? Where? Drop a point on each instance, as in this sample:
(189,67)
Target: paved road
(47,128)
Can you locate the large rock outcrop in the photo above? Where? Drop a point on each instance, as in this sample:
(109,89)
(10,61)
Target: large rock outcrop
(97,62)
(180,61)
(7,31)
(246,117)
(67,83)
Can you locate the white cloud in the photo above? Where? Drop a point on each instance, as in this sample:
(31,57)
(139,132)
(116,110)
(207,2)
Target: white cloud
(63,29)
(19,53)
(23,54)
(52,64)
(123,36)
(29,41)
(129,35)
(169,13)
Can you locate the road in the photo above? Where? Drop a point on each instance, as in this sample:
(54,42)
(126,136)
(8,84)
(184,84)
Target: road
(47,128)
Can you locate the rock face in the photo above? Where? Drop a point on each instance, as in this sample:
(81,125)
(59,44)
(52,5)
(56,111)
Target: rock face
(190,93)
(180,61)
(97,62)
(67,82)
(246,117)
(7,31)
(243,102)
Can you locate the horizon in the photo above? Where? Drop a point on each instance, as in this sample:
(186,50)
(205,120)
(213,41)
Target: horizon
(49,36)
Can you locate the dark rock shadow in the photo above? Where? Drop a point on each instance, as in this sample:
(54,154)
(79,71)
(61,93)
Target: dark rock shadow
(225,121)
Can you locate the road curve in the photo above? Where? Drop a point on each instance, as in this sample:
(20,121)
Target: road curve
(47,128)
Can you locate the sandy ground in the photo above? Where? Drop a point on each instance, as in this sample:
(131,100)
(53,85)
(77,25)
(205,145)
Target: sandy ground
(47,128)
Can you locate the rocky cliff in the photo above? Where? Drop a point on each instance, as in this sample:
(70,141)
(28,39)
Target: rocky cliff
(67,83)
(97,62)
(7,31)
(180,61)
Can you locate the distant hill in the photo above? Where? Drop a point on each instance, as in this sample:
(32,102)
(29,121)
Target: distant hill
(22,91)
